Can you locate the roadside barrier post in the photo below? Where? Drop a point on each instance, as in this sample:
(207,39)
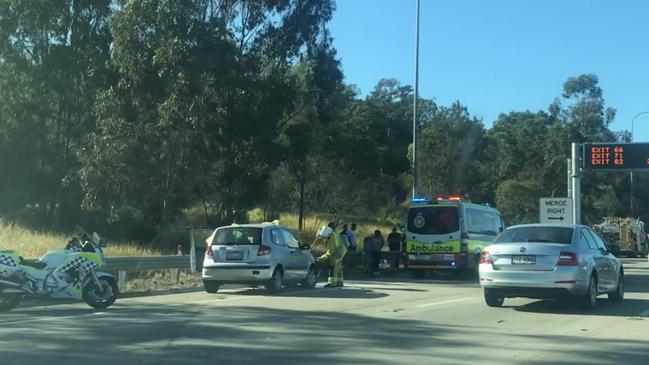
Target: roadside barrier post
(175,273)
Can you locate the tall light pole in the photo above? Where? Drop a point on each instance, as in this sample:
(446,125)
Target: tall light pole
(414,109)
(631,179)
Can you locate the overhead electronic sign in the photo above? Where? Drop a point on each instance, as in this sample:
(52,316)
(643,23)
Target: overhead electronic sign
(616,156)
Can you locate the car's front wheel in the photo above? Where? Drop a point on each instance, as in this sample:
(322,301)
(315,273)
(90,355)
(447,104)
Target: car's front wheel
(211,287)
(311,278)
(618,294)
(276,281)
(492,299)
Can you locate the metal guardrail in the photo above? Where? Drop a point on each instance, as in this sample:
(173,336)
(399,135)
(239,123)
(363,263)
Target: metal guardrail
(124,264)
(143,263)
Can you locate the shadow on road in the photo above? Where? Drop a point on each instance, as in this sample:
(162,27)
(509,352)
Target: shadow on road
(198,334)
(340,293)
(627,308)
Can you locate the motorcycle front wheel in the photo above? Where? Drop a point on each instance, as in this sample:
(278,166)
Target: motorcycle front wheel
(100,297)
(9,301)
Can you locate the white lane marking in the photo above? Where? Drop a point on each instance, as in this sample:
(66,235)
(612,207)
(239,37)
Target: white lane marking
(442,302)
(44,319)
(215,301)
(644,314)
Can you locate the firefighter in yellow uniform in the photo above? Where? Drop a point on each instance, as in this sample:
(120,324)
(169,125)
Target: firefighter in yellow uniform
(334,255)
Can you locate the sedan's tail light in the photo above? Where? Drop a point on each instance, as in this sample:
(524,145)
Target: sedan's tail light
(485,257)
(208,252)
(567,259)
(263,250)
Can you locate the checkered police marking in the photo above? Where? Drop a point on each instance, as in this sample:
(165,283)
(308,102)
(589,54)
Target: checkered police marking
(81,263)
(7,261)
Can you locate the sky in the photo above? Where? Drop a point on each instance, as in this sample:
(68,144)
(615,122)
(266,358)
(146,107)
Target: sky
(497,56)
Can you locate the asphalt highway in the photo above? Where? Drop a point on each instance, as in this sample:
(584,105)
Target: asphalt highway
(387,320)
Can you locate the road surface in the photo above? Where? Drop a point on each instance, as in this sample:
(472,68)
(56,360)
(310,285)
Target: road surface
(380,321)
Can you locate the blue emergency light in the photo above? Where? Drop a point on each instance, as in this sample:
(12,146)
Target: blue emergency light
(420,199)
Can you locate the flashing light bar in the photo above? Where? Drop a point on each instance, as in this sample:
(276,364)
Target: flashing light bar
(453,198)
(419,199)
(438,198)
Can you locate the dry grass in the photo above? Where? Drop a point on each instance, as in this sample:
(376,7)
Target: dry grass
(313,223)
(147,281)
(33,244)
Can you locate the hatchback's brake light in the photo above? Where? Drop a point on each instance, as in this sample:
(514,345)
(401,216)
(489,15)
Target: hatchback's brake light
(567,259)
(485,257)
(263,250)
(208,252)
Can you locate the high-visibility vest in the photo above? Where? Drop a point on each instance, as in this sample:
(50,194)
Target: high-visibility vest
(336,248)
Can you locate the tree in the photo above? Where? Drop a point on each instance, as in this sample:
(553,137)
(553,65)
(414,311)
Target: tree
(518,201)
(202,87)
(448,154)
(52,57)
(307,131)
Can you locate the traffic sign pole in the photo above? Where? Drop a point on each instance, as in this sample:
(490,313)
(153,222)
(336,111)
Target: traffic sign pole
(569,169)
(576,185)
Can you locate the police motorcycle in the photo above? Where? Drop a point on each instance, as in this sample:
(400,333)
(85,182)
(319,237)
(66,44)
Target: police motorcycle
(71,272)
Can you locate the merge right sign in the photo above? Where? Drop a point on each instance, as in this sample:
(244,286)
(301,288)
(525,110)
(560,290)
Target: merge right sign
(556,210)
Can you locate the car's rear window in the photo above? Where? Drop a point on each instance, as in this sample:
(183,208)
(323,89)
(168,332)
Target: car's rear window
(537,235)
(237,236)
(433,220)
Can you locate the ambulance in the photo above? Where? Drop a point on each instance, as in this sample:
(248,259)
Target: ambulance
(446,233)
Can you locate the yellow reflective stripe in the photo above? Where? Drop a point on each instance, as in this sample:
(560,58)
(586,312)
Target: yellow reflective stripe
(473,245)
(92,257)
(427,247)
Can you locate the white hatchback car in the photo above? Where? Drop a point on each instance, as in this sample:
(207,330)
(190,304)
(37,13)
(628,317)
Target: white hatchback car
(550,261)
(266,253)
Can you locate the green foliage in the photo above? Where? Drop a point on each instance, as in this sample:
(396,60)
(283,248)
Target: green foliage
(518,201)
(142,115)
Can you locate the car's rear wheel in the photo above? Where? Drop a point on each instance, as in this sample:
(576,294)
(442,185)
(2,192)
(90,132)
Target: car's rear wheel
(276,281)
(9,300)
(589,300)
(492,299)
(618,294)
(211,287)
(311,278)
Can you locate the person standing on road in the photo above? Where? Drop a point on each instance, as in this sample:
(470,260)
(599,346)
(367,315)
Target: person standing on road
(344,237)
(368,248)
(352,238)
(375,246)
(334,255)
(394,242)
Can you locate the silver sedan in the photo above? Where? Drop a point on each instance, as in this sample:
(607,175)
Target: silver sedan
(548,261)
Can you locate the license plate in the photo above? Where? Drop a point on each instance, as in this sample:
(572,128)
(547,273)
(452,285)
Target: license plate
(234,255)
(523,260)
(442,257)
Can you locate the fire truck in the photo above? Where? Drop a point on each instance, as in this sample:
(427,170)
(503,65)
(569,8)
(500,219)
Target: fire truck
(624,235)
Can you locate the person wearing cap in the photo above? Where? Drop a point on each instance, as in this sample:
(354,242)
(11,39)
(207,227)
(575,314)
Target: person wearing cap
(334,255)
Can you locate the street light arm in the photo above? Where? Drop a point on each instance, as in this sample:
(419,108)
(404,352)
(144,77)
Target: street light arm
(633,122)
